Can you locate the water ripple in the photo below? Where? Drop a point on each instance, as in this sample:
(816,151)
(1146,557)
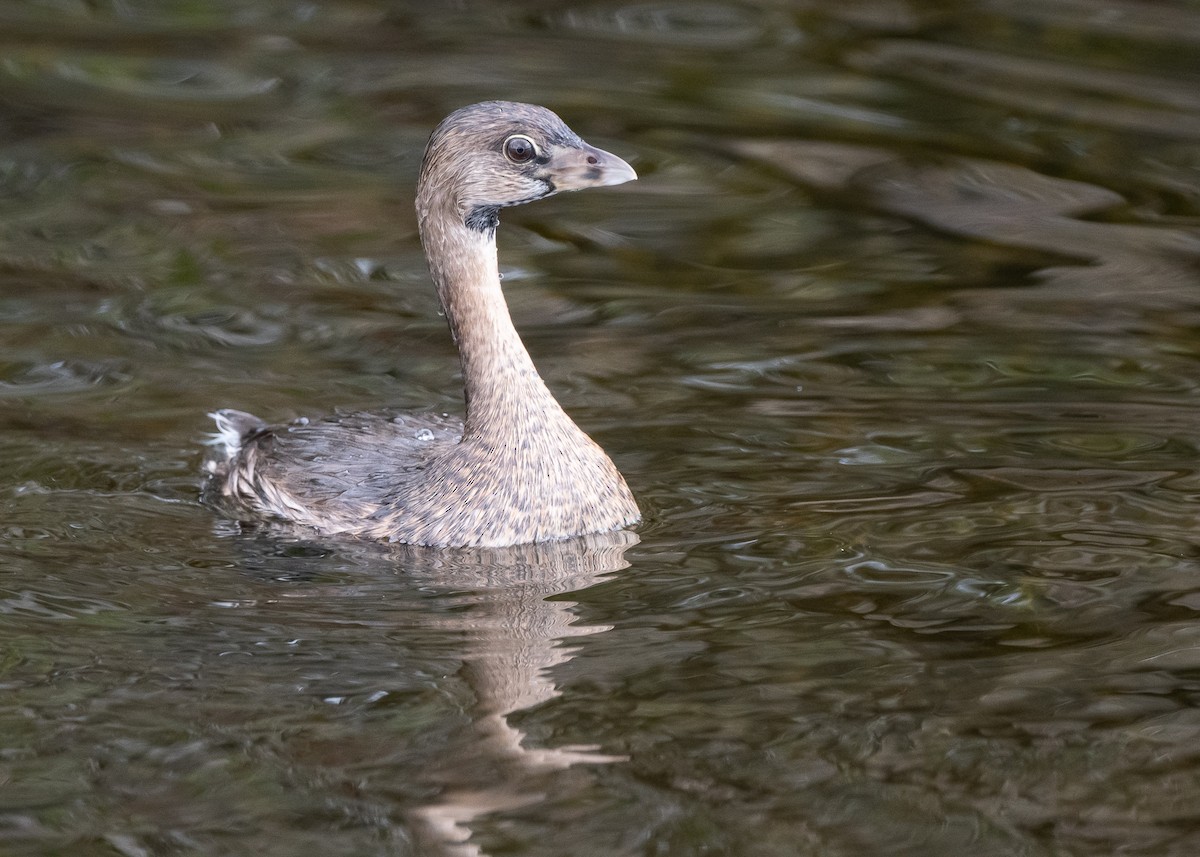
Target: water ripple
(174,320)
(53,605)
(1115,99)
(1014,206)
(1155,24)
(130,82)
(22,379)
(712,26)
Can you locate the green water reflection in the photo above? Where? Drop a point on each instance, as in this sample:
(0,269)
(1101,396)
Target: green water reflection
(895,339)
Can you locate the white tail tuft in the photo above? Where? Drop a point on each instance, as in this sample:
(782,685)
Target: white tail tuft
(232,428)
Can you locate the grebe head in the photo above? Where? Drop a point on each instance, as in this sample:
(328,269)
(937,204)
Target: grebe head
(497,154)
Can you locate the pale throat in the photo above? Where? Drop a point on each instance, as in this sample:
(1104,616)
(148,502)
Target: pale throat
(504,393)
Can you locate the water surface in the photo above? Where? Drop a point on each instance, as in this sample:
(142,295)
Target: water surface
(895,340)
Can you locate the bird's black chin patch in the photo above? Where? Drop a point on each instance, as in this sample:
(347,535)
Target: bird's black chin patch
(483,219)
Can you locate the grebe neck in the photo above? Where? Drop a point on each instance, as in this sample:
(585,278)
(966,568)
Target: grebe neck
(504,393)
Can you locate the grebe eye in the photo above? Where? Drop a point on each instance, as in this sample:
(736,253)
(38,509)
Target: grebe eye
(520,149)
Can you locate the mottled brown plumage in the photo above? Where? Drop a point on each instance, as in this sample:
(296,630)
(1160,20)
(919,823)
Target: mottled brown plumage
(517,470)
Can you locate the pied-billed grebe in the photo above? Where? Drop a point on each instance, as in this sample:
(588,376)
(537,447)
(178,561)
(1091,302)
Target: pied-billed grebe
(517,470)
